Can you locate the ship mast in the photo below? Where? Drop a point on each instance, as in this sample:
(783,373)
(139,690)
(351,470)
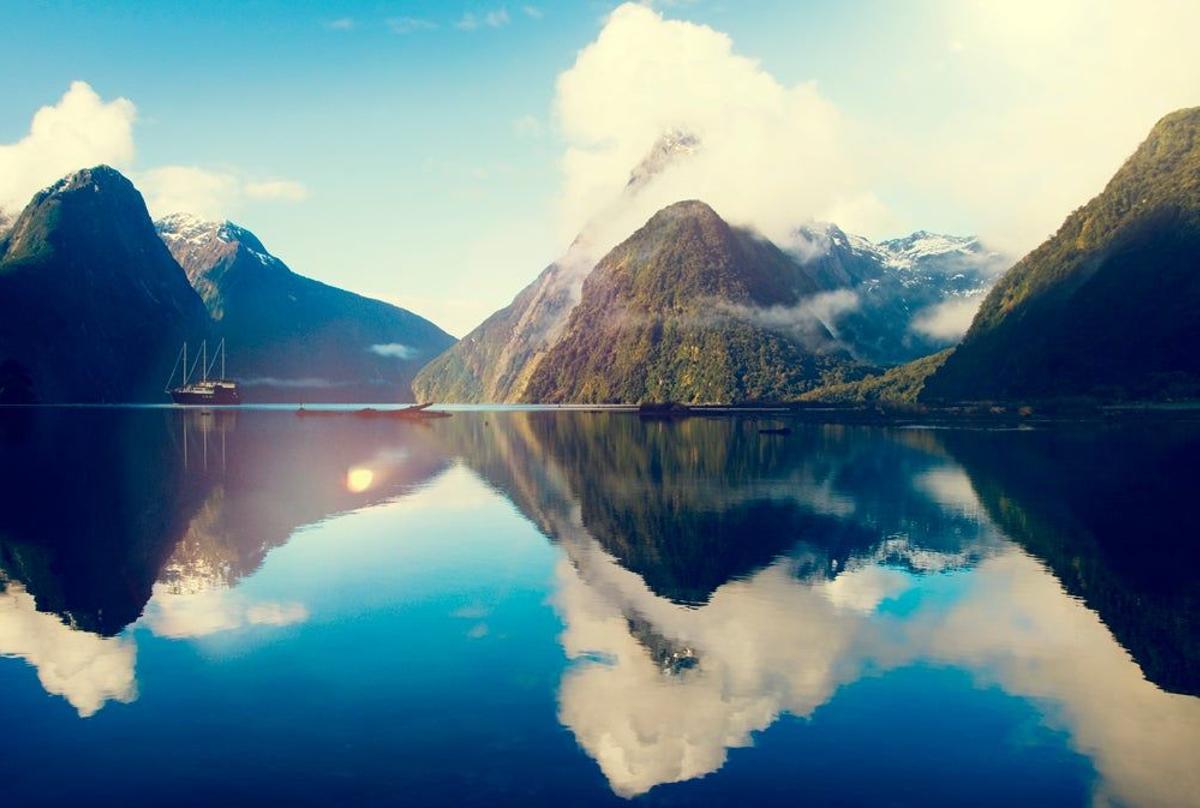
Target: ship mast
(204,359)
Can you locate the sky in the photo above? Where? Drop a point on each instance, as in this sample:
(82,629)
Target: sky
(439,154)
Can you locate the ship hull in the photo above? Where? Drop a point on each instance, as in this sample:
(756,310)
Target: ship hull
(214,398)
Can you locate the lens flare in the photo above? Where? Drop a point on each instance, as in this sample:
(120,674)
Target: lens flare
(359,480)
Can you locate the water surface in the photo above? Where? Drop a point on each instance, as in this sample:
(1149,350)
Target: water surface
(542,607)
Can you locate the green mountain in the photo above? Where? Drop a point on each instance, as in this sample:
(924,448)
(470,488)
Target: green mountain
(92,305)
(690,309)
(292,338)
(901,384)
(1107,306)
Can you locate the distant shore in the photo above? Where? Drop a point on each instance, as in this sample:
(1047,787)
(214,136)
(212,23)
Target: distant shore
(882,414)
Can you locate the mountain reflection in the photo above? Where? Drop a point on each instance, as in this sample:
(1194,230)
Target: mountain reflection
(111,516)
(710,580)
(715,579)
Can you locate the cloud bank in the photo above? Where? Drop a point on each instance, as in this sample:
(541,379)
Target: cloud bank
(999,119)
(949,319)
(771,155)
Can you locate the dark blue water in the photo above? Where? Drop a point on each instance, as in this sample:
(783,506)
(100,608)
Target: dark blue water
(540,608)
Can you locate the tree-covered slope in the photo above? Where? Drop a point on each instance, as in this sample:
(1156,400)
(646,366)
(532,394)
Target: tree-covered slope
(899,385)
(690,309)
(1107,306)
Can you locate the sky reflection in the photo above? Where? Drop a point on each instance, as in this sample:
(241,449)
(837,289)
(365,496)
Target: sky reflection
(667,593)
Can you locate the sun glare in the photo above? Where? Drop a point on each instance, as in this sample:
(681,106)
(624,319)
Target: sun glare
(359,480)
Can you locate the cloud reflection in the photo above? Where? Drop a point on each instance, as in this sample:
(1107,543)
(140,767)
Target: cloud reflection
(84,668)
(660,691)
(191,614)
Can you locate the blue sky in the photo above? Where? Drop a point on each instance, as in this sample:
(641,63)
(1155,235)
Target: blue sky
(427,151)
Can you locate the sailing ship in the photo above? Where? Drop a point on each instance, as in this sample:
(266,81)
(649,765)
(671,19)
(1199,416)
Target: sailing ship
(218,391)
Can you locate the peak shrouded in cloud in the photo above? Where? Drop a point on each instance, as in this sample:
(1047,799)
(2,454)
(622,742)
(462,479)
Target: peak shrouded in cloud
(771,154)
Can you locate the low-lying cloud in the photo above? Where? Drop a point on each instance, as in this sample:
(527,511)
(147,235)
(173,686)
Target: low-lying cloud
(394,350)
(803,319)
(948,320)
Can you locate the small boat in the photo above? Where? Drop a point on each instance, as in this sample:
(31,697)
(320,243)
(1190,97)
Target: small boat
(412,412)
(204,392)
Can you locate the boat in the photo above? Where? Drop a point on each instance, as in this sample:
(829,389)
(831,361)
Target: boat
(205,392)
(413,411)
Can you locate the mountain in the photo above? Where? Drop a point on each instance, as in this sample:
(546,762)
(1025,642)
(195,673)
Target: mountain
(289,337)
(912,295)
(906,298)
(494,362)
(690,309)
(1107,306)
(92,304)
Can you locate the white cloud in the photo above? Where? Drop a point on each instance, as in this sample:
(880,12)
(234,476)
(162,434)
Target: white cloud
(341,24)
(949,319)
(189,189)
(533,12)
(84,130)
(79,131)
(803,319)
(282,190)
(408,25)
(471,20)
(1020,116)
(84,668)
(210,194)
(394,350)
(770,155)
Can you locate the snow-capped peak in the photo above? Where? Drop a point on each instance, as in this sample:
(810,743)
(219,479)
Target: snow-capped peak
(186,233)
(669,148)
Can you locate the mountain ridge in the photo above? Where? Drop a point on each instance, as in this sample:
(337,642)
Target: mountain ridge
(1077,317)
(294,337)
(679,311)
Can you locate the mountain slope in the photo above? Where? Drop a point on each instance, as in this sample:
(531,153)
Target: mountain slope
(293,338)
(911,294)
(1106,306)
(494,362)
(91,302)
(689,309)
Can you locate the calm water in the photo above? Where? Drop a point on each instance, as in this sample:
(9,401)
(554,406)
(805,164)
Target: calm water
(542,608)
